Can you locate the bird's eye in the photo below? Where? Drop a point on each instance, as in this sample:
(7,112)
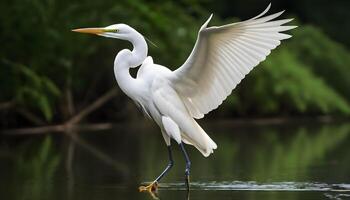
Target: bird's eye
(116,30)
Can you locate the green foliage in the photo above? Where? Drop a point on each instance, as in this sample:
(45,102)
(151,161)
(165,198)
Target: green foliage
(41,59)
(307,74)
(325,57)
(37,165)
(283,83)
(34,91)
(261,153)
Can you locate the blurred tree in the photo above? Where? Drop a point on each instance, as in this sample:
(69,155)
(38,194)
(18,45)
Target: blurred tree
(49,74)
(324,57)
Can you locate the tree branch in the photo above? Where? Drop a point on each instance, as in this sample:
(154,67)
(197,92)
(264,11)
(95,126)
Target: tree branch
(95,105)
(30,116)
(6,105)
(70,124)
(56,128)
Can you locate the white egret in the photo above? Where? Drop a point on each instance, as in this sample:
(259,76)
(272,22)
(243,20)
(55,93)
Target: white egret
(220,59)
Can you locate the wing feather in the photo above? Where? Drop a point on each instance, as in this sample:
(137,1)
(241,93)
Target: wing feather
(223,56)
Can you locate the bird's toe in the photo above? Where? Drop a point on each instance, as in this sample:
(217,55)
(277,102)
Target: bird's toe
(149,188)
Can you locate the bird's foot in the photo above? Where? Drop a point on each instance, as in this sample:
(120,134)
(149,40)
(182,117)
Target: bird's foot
(152,188)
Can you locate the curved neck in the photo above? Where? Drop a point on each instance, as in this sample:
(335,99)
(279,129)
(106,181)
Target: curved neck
(127,59)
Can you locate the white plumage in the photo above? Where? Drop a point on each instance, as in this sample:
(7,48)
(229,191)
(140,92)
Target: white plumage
(220,59)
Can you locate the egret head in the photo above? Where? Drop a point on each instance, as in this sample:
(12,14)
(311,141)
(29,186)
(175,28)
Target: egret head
(119,31)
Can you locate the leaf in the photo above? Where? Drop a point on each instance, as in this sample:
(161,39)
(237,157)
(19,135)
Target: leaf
(51,86)
(45,149)
(44,106)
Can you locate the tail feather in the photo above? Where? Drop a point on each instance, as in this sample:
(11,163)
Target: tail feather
(205,145)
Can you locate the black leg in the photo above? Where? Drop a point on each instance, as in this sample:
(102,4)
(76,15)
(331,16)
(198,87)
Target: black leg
(152,188)
(171,163)
(188,166)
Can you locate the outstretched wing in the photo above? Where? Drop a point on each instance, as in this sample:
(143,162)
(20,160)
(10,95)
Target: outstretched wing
(221,58)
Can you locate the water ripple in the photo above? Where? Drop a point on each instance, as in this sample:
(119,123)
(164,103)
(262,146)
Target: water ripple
(255,186)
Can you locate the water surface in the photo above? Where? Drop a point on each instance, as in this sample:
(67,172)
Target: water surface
(253,161)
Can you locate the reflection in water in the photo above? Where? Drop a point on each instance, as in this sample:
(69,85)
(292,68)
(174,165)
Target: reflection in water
(265,155)
(168,186)
(254,186)
(288,158)
(69,168)
(337,196)
(94,151)
(35,162)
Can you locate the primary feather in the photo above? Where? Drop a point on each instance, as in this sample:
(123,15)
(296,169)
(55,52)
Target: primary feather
(222,57)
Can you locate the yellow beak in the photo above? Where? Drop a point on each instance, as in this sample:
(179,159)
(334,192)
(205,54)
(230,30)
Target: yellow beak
(90,30)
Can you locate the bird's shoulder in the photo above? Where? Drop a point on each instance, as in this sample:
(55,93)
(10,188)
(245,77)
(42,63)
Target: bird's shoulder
(143,68)
(149,70)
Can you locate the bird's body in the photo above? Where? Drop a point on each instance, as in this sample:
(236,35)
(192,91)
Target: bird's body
(220,59)
(152,90)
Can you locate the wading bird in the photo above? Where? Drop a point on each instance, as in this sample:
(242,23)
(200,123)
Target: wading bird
(220,59)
